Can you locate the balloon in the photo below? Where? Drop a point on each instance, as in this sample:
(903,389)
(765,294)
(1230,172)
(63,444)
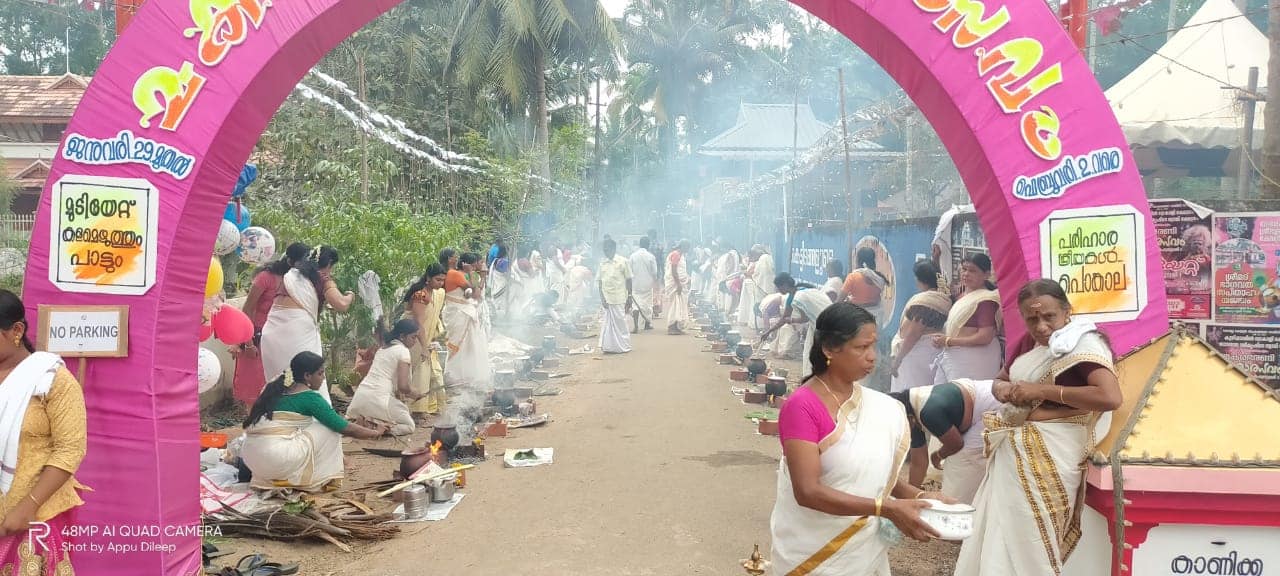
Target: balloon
(206,331)
(257,246)
(247,175)
(237,214)
(232,326)
(228,239)
(208,370)
(213,283)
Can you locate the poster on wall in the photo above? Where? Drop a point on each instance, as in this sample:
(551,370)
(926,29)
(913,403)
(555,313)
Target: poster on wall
(967,239)
(1255,349)
(1095,254)
(102,235)
(1246,259)
(1185,233)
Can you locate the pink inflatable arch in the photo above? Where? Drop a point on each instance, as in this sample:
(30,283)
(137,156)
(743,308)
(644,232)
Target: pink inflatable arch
(180,101)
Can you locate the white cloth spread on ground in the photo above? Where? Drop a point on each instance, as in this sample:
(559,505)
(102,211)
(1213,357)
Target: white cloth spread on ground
(289,330)
(862,457)
(375,398)
(1029,504)
(292,451)
(30,378)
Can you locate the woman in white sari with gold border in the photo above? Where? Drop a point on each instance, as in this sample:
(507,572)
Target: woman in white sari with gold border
(843,446)
(969,343)
(1063,389)
(293,436)
(293,324)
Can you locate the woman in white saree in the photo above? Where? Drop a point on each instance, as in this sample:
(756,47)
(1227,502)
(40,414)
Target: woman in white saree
(675,293)
(293,436)
(842,446)
(969,343)
(293,323)
(1063,389)
(913,355)
(468,343)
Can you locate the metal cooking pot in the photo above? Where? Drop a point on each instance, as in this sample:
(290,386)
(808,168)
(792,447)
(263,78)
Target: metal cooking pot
(442,490)
(416,501)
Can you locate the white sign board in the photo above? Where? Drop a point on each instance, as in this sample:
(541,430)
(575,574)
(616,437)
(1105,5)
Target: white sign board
(1199,549)
(102,235)
(84,331)
(1098,256)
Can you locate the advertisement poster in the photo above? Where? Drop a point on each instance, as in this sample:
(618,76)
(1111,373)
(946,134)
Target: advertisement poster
(1246,256)
(1095,254)
(1255,349)
(1185,233)
(103,235)
(966,239)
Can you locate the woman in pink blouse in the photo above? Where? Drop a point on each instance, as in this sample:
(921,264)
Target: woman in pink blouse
(266,282)
(842,446)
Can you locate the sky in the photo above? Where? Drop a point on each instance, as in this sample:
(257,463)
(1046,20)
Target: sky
(614,7)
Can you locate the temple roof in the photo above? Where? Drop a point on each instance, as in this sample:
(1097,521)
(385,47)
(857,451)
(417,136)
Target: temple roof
(1187,405)
(768,131)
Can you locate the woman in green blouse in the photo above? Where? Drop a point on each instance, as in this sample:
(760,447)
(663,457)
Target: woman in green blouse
(293,434)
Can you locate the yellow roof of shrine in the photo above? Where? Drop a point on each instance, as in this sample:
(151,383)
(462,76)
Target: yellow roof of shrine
(1187,405)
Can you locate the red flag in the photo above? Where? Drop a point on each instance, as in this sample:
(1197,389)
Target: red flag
(1108,19)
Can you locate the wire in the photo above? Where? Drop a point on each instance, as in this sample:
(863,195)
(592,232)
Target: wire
(1165,32)
(1224,83)
(1248,154)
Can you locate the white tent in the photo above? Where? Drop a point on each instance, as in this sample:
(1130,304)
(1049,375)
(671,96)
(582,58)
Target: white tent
(1180,98)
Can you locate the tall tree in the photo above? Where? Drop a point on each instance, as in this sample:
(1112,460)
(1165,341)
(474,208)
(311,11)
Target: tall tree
(676,48)
(509,45)
(34,36)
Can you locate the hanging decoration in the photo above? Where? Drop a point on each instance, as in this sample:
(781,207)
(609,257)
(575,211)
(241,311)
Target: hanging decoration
(213,282)
(228,238)
(231,325)
(257,246)
(238,215)
(208,370)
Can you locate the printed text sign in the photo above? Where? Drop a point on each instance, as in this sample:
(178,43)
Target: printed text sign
(102,235)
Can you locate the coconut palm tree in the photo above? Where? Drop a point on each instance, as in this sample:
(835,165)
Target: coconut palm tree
(675,48)
(507,46)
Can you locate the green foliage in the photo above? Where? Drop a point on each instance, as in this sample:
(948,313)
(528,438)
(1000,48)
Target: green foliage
(385,237)
(34,33)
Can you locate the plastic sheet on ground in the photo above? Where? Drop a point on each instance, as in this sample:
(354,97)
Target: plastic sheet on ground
(540,456)
(436,512)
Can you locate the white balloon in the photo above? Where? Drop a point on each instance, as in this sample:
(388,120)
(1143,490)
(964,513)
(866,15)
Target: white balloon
(208,370)
(228,239)
(257,246)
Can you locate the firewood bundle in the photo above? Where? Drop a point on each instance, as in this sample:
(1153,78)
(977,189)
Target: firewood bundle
(333,520)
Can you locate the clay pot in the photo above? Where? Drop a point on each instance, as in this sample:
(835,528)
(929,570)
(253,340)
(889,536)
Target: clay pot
(504,379)
(743,350)
(504,397)
(757,366)
(412,460)
(446,435)
(776,386)
(733,337)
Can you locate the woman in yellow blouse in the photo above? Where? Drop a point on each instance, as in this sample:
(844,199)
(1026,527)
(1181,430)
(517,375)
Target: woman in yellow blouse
(42,441)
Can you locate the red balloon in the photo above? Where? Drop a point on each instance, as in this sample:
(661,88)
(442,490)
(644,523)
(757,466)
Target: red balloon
(231,326)
(206,332)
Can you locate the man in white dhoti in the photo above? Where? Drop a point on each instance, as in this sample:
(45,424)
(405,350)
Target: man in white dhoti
(757,283)
(644,270)
(725,266)
(615,297)
(676,289)
(809,302)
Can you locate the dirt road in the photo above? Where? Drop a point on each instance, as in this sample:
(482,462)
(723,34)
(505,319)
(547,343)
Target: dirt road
(656,472)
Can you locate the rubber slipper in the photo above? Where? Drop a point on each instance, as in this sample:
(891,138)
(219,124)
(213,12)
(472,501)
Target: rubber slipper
(265,570)
(250,562)
(229,571)
(285,569)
